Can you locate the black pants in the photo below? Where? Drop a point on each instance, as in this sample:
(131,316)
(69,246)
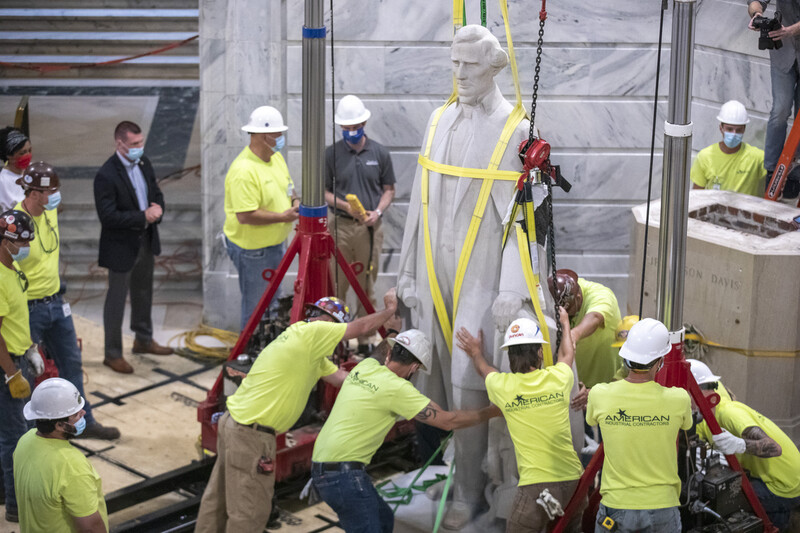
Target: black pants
(140,282)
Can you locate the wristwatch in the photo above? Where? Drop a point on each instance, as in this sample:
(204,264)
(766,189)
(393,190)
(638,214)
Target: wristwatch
(380,213)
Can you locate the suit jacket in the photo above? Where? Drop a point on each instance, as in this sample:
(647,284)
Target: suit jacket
(123,224)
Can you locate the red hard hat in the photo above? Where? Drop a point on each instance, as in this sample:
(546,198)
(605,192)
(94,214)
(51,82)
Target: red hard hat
(567,289)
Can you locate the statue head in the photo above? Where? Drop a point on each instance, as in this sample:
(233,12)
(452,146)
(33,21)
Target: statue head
(477,58)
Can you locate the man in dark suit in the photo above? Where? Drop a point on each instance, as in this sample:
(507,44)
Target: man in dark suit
(130,205)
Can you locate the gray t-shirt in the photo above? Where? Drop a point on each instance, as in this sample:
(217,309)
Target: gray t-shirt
(785,58)
(363,174)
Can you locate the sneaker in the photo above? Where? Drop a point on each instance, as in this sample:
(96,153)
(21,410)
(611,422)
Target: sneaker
(100,432)
(12,515)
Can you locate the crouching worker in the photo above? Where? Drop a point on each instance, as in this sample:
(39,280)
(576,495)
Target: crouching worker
(371,399)
(535,403)
(270,400)
(58,489)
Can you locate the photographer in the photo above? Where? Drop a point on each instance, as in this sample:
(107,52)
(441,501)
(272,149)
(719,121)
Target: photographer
(784,74)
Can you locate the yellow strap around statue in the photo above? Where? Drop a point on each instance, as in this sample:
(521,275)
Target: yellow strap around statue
(479,173)
(532,281)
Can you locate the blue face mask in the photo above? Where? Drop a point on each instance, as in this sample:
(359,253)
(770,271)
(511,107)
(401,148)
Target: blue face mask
(53,200)
(280,142)
(22,254)
(353,137)
(135,154)
(732,140)
(80,425)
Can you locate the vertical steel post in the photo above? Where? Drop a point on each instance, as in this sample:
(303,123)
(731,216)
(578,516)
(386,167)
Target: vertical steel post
(313,194)
(675,176)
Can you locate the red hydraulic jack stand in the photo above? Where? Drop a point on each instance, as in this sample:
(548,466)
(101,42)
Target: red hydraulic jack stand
(785,164)
(314,281)
(675,373)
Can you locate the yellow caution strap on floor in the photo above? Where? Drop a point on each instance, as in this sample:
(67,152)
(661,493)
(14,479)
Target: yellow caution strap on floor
(750,353)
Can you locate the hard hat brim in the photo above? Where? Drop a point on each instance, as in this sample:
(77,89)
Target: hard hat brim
(392,341)
(514,342)
(262,129)
(353,121)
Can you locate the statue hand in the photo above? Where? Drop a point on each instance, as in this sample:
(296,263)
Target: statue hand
(407,291)
(506,308)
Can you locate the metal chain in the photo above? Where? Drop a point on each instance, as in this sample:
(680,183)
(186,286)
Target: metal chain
(551,246)
(531,133)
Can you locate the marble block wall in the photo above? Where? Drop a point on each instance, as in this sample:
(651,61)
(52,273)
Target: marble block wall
(595,104)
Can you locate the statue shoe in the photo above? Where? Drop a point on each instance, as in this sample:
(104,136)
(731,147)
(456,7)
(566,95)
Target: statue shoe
(458,515)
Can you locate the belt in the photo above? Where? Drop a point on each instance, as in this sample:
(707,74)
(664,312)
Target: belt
(344,466)
(258,427)
(45,300)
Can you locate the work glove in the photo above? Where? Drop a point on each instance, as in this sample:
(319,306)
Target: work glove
(35,359)
(18,386)
(505,309)
(728,443)
(591,445)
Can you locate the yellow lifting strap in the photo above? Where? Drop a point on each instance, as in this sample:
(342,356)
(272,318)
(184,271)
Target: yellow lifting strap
(488,176)
(534,288)
(750,353)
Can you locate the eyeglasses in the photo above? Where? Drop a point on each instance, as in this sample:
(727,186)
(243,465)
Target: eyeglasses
(23,280)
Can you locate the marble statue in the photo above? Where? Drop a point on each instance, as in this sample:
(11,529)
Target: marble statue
(493,292)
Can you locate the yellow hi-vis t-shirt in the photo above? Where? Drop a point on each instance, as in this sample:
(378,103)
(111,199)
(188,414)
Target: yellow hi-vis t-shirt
(276,389)
(741,172)
(596,359)
(536,408)
(780,474)
(40,267)
(640,423)
(16,328)
(54,482)
(371,399)
(254,184)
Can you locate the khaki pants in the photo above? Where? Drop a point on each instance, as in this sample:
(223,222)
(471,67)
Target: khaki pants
(527,516)
(354,242)
(238,499)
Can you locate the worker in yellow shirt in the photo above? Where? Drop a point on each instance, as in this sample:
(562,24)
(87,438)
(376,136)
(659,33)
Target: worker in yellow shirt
(769,456)
(58,489)
(535,404)
(640,421)
(730,164)
(594,315)
(238,497)
(371,399)
(16,232)
(260,206)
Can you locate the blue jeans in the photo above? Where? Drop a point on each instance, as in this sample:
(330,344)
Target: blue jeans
(250,264)
(785,99)
(777,508)
(351,496)
(12,426)
(640,520)
(56,332)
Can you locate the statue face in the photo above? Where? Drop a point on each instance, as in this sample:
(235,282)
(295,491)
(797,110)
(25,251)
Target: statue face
(474,76)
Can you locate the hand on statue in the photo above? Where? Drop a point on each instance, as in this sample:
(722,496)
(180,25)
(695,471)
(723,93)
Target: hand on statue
(472,346)
(390,299)
(291,214)
(505,309)
(578,402)
(372,218)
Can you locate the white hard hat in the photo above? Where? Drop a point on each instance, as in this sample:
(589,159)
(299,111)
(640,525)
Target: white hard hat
(351,111)
(647,340)
(702,374)
(417,343)
(523,331)
(54,398)
(733,112)
(265,119)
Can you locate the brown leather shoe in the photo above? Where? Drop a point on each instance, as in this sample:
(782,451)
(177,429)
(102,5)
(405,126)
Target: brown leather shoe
(118,365)
(152,348)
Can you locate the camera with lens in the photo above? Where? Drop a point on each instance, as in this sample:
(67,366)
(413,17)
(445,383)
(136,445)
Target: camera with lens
(766,25)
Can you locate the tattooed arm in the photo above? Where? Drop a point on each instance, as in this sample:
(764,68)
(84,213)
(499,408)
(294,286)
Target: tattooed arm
(759,443)
(433,415)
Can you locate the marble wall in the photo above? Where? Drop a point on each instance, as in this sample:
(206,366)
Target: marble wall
(595,103)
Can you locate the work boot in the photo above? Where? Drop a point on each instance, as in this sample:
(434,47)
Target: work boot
(12,515)
(152,348)
(119,365)
(99,432)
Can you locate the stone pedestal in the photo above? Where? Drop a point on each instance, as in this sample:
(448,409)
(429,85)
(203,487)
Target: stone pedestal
(741,290)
